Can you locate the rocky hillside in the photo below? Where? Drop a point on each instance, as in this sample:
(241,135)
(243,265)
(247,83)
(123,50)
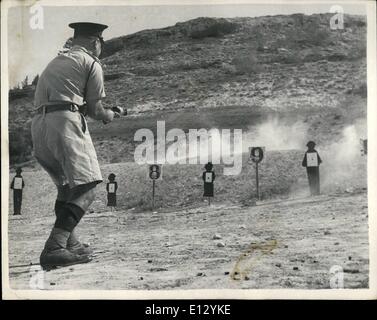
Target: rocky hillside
(275,62)
(272,63)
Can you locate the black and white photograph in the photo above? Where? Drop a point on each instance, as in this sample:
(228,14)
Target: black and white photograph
(188,149)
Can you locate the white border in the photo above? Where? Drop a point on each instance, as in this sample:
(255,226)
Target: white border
(346,294)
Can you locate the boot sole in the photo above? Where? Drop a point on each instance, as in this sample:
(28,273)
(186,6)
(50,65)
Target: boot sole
(48,267)
(51,266)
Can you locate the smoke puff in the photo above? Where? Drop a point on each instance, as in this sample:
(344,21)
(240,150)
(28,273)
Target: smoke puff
(275,134)
(343,165)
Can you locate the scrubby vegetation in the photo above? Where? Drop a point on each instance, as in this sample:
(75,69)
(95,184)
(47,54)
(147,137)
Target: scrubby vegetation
(204,28)
(20,145)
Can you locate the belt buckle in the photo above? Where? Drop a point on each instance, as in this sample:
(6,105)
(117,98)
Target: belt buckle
(72,107)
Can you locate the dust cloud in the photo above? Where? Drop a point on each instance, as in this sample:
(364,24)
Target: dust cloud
(344,168)
(276,134)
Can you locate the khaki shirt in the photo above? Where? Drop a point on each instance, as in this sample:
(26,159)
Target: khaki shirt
(65,77)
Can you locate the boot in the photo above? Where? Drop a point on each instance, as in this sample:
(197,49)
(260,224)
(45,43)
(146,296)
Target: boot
(55,253)
(75,246)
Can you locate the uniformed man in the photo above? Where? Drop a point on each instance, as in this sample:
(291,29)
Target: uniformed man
(312,161)
(71,86)
(17,186)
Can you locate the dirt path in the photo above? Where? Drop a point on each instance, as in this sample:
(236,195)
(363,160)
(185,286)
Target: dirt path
(288,244)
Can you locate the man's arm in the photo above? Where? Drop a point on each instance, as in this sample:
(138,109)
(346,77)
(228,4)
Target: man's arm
(96,111)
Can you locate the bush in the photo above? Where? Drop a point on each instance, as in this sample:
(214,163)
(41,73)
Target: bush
(213,29)
(112,46)
(309,35)
(247,63)
(35,80)
(20,146)
(350,22)
(19,93)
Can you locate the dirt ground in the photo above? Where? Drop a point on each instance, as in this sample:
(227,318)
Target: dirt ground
(275,244)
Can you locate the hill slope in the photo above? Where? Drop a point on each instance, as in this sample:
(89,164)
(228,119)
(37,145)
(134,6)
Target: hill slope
(274,63)
(278,62)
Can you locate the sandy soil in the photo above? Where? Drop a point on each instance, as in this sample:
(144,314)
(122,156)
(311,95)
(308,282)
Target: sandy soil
(275,244)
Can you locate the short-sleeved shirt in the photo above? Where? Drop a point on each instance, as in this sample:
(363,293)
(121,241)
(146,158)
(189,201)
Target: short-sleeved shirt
(67,75)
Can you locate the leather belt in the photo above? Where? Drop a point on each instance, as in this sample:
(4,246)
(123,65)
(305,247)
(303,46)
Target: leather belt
(58,107)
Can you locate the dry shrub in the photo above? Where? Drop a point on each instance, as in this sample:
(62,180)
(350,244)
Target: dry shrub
(247,63)
(20,146)
(213,29)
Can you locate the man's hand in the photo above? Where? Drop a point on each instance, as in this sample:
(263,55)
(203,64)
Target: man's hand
(96,111)
(117,113)
(110,117)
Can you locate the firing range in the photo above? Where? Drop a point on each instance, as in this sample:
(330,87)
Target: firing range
(282,81)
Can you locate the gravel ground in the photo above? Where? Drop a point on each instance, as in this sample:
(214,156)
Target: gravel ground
(275,244)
